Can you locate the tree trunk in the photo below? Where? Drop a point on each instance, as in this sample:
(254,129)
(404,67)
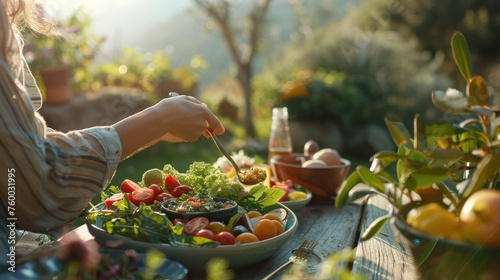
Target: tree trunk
(244,77)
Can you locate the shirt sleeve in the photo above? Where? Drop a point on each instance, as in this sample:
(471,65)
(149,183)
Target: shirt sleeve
(56,174)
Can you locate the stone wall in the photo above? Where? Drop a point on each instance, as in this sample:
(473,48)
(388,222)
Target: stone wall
(88,110)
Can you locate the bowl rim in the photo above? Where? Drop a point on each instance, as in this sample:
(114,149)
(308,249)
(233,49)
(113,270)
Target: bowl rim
(275,160)
(289,230)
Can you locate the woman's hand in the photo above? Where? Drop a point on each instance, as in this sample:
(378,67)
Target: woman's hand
(175,119)
(186,118)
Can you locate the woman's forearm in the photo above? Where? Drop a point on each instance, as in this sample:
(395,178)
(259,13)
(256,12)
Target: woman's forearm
(136,132)
(174,119)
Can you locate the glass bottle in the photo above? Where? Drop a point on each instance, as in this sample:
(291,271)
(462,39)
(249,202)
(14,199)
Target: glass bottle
(280,142)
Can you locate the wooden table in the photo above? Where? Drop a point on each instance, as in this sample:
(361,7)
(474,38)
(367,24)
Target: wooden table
(383,257)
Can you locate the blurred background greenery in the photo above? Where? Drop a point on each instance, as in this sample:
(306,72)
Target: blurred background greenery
(347,62)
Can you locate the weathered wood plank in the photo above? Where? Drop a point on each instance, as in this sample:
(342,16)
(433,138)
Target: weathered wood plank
(333,230)
(384,256)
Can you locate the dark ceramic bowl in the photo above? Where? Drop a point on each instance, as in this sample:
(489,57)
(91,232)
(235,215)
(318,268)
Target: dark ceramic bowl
(439,258)
(223,215)
(322,182)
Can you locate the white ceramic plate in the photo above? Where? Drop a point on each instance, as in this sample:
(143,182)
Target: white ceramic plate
(195,258)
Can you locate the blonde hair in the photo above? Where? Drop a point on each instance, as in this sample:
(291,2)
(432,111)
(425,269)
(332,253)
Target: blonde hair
(14,16)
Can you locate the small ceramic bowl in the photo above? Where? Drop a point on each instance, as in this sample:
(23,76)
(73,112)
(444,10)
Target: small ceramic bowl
(296,205)
(323,182)
(223,215)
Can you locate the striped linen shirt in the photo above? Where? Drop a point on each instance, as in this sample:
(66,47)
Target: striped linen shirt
(47,177)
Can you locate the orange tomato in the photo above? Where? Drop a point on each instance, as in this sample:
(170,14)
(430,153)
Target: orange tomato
(279,227)
(265,229)
(253,214)
(271,217)
(246,237)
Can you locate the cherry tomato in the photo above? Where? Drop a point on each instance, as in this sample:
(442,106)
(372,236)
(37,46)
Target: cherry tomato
(225,238)
(163,196)
(206,233)
(129,186)
(180,190)
(217,227)
(157,189)
(196,224)
(191,199)
(196,205)
(112,199)
(142,195)
(171,183)
(182,221)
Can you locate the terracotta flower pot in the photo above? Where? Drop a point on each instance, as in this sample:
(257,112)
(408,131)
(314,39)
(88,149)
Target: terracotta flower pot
(57,86)
(439,258)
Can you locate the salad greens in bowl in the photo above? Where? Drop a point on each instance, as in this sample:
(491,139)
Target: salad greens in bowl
(131,216)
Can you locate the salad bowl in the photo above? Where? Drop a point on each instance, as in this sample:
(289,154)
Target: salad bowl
(195,258)
(223,214)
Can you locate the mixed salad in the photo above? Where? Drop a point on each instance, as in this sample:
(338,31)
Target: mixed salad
(133,208)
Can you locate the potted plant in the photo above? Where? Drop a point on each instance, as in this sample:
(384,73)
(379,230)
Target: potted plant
(442,182)
(152,73)
(61,62)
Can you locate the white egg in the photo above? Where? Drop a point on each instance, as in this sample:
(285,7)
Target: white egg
(313,163)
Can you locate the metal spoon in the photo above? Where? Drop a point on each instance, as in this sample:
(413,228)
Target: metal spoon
(243,176)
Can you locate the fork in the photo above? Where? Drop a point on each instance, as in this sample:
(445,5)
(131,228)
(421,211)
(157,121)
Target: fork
(301,254)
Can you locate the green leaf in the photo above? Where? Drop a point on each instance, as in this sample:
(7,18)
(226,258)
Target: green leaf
(399,133)
(461,55)
(478,92)
(370,179)
(360,194)
(385,157)
(443,130)
(351,181)
(484,171)
(444,154)
(425,177)
(375,227)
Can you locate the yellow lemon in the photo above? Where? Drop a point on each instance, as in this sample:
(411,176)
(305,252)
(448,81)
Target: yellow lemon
(298,195)
(231,174)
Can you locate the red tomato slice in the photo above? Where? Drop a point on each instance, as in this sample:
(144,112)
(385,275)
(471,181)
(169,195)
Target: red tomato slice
(196,224)
(157,189)
(142,195)
(163,196)
(180,190)
(129,186)
(112,199)
(171,183)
